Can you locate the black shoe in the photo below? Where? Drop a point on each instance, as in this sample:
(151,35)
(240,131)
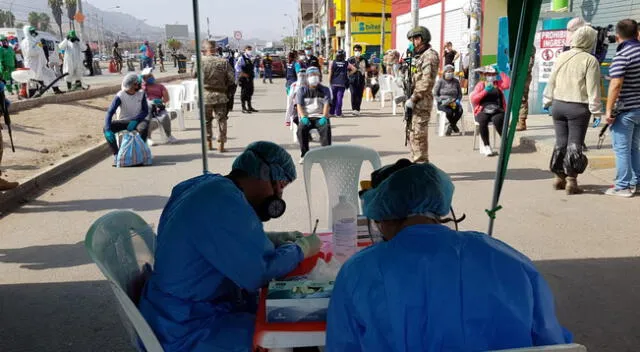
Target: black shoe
(449,130)
(455,129)
(245,111)
(251,109)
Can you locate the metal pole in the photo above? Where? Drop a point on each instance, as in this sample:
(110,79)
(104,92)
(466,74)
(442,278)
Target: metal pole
(300,29)
(474,42)
(208,31)
(382,29)
(83,35)
(326,32)
(347,27)
(415,13)
(196,25)
(313,25)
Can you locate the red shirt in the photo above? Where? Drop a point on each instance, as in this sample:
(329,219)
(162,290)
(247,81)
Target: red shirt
(155,91)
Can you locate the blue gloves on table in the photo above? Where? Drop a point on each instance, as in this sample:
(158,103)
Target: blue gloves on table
(110,136)
(323,121)
(132,125)
(305,121)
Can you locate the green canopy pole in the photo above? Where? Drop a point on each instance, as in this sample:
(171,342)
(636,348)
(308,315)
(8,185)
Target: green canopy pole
(523,18)
(196,24)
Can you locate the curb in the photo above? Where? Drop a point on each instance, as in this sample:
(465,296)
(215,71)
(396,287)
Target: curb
(22,105)
(57,174)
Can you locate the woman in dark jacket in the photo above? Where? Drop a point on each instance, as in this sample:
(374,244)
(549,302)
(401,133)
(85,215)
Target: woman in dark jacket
(448,95)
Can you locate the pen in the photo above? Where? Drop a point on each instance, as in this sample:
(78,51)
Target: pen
(315,227)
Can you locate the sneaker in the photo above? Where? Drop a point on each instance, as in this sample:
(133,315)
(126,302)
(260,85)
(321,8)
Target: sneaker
(626,193)
(356,113)
(301,161)
(150,143)
(487,151)
(172,140)
(449,131)
(634,189)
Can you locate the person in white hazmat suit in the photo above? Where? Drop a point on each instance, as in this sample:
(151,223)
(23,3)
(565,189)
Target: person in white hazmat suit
(34,58)
(73,66)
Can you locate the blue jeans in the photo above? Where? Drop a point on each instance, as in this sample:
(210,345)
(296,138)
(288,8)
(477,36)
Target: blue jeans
(626,144)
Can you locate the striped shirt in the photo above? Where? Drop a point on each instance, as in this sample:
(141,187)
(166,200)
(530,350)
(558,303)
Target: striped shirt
(626,65)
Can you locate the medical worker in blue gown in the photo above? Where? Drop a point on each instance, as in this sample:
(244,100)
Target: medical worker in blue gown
(212,253)
(430,288)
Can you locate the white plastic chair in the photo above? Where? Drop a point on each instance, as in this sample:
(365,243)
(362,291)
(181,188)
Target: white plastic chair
(341,166)
(191,95)
(398,91)
(122,246)
(385,88)
(442,122)
(573,347)
(176,98)
(476,130)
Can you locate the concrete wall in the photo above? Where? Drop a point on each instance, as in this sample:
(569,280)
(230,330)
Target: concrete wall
(493,10)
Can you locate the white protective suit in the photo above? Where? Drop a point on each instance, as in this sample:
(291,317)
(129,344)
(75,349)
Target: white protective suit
(34,58)
(73,58)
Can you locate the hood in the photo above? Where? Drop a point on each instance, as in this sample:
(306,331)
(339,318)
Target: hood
(27,35)
(584,38)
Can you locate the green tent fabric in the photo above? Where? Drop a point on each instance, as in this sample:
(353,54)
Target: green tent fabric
(523,18)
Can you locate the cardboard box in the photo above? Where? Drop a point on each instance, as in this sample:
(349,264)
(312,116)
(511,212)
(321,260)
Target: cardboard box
(298,301)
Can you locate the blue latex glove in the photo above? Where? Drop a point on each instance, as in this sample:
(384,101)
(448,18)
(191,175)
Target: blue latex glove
(489,87)
(596,122)
(305,121)
(110,136)
(323,121)
(458,102)
(132,125)
(157,101)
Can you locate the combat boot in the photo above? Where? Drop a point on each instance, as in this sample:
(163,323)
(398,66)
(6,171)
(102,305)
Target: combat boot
(572,186)
(210,144)
(522,125)
(559,182)
(6,185)
(251,109)
(221,147)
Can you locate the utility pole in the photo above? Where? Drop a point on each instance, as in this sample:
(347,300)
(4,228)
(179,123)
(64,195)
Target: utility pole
(474,41)
(415,13)
(327,10)
(382,29)
(347,27)
(313,25)
(83,36)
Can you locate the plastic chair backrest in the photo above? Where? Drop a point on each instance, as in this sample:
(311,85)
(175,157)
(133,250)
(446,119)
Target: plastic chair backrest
(573,347)
(385,83)
(341,166)
(190,90)
(122,245)
(176,96)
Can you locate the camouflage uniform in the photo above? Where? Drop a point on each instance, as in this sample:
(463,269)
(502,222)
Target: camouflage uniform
(524,107)
(218,78)
(423,74)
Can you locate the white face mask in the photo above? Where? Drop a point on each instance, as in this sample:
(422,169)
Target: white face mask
(357,53)
(448,75)
(490,79)
(249,52)
(313,80)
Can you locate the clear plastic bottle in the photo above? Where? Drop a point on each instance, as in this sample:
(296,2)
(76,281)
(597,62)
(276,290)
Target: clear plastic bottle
(345,229)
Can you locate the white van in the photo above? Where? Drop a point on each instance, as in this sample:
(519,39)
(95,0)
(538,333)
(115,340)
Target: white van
(50,42)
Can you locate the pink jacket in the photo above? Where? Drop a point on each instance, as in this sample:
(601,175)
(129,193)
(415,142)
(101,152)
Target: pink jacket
(479,93)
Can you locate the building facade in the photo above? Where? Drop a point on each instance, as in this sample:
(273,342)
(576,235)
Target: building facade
(366,25)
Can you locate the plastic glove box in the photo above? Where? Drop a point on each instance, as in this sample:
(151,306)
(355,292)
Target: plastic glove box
(298,301)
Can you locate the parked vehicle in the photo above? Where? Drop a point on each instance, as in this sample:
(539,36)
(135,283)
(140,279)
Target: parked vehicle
(277,67)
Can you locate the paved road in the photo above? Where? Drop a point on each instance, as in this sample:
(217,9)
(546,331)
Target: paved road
(54,298)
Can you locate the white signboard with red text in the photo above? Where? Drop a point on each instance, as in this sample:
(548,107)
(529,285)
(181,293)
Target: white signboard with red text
(551,44)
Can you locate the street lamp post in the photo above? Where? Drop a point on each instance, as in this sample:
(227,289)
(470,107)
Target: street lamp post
(293,28)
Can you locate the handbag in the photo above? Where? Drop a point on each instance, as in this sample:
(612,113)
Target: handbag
(133,151)
(492,109)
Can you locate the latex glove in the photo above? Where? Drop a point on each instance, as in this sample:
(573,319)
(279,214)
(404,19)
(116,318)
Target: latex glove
(310,245)
(489,87)
(458,102)
(110,136)
(132,125)
(157,101)
(281,237)
(305,121)
(323,121)
(596,121)
(408,104)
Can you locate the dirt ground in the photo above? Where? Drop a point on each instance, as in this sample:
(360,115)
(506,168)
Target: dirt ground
(48,134)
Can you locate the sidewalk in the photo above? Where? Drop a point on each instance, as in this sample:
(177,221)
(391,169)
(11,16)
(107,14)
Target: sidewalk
(48,284)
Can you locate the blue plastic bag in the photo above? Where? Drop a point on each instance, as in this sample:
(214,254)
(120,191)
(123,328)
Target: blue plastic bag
(133,151)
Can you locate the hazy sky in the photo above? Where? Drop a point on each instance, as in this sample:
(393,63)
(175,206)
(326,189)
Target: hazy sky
(261,19)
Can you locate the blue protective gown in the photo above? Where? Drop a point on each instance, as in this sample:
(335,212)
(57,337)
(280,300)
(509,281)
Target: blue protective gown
(211,257)
(434,289)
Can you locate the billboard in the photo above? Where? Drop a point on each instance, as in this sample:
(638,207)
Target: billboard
(178,31)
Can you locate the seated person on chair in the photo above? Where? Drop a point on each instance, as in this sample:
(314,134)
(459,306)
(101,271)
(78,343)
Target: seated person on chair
(489,104)
(448,95)
(134,110)
(213,255)
(313,103)
(431,288)
(158,95)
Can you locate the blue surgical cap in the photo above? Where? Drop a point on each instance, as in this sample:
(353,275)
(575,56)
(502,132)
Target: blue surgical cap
(266,161)
(420,189)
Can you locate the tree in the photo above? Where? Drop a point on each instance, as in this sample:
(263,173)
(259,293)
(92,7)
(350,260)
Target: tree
(44,24)
(7,19)
(71,6)
(56,9)
(289,42)
(174,44)
(33,19)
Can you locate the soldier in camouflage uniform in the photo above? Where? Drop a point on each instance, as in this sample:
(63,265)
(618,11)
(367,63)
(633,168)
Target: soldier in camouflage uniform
(4,184)
(424,70)
(218,78)
(524,107)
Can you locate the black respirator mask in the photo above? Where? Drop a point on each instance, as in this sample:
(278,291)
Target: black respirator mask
(273,206)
